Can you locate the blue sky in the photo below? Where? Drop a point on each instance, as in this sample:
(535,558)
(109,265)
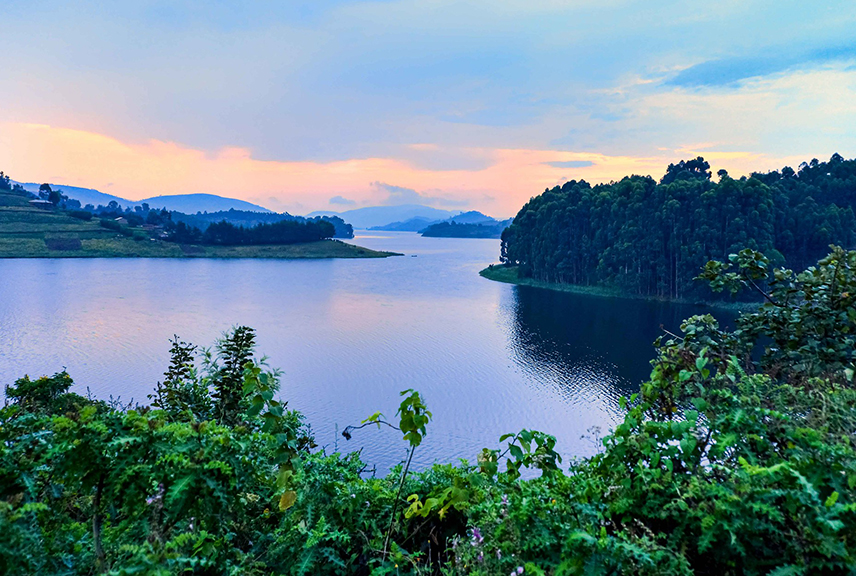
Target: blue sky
(428,96)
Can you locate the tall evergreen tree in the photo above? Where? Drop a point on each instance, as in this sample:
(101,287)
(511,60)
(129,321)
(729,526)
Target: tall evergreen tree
(649,238)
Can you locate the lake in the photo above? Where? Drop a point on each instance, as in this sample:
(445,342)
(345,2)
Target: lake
(349,335)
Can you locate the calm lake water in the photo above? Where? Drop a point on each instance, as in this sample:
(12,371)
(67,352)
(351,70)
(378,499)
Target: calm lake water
(348,335)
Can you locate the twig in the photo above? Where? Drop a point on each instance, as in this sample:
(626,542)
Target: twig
(764,294)
(670,333)
(397,498)
(348,429)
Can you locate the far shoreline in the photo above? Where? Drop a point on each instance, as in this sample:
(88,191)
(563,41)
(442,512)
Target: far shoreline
(121,247)
(509,275)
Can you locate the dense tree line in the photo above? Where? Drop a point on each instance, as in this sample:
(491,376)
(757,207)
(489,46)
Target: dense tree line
(736,458)
(218,228)
(249,219)
(7,185)
(193,228)
(650,238)
(283,232)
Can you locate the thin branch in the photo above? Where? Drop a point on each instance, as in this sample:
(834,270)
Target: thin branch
(673,335)
(764,294)
(395,504)
(508,448)
(100,558)
(348,429)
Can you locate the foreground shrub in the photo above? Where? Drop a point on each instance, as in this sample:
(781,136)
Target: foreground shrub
(737,457)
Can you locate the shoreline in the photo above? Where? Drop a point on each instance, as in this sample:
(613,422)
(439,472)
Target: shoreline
(121,247)
(508,275)
(33,232)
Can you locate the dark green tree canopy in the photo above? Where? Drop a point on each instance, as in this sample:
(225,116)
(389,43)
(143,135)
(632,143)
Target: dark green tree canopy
(687,170)
(650,238)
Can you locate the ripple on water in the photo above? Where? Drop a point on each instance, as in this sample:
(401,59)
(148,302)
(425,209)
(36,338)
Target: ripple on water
(349,335)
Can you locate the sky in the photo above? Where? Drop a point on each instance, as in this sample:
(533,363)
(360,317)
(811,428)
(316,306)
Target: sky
(333,105)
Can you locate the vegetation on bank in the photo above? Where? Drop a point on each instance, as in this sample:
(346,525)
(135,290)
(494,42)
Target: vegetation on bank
(38,231)
(736,458)
(120,247)
(248,219)
(649,238)
(511,275)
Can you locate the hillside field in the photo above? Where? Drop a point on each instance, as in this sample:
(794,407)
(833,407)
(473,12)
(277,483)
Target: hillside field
(32,232)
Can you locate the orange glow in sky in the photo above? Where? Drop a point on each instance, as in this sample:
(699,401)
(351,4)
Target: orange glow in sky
(37,153)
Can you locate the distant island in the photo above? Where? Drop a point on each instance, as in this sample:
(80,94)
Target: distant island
(646,238)
(455,230)
(472,224)
(51,225)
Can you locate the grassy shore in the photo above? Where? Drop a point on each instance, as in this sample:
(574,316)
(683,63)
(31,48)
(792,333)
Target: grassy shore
(120,247)
(29,232)
(509,275)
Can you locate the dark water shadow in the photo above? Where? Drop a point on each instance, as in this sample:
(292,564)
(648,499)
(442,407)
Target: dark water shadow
(593,344)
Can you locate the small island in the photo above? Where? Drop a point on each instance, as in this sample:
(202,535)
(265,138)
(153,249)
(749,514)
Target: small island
(472,224)
(49,226)
(455,230)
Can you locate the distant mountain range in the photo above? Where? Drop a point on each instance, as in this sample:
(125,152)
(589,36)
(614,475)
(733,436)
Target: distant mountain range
(193,203)
(412,225)
(373,216)
(407,217)
(187,203)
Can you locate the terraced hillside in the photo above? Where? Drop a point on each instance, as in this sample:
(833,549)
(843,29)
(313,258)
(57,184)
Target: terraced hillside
(28,231)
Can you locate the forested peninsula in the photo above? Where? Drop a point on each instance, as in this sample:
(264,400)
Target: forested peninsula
(51,225)
(641,237)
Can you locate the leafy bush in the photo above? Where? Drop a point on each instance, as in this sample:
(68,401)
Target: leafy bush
(110,224)
(737,457)
(80,214)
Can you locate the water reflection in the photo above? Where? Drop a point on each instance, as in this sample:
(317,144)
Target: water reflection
(349,335)
(590,347)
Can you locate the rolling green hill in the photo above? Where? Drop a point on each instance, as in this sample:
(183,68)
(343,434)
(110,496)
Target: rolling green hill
(27,231)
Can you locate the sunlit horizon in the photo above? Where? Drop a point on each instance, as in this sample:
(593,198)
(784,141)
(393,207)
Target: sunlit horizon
(333,106)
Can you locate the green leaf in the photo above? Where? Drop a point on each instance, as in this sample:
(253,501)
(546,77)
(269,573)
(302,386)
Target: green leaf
(287,500)
(833,498)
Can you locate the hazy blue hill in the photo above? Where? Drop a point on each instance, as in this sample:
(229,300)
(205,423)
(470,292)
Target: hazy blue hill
(419,224)
(472,217)
(411,225)
(383,215)
(84,195)
(187,203)
(193,203)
